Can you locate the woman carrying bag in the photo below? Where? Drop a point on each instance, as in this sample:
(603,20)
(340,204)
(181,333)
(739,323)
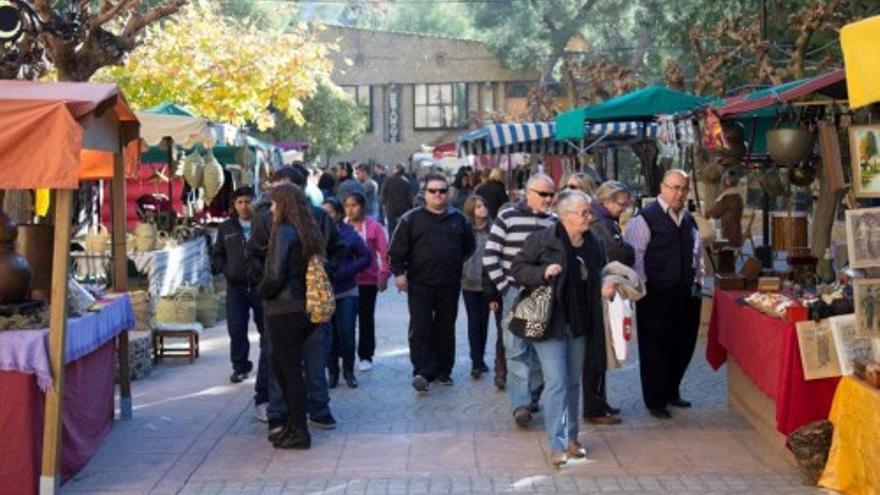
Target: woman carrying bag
(562,265)
(294,241)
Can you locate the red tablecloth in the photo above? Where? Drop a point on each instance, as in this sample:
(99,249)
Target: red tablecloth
(767,350)
(86,419)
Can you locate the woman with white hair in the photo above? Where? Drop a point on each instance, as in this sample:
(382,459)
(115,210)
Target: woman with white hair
(569,258)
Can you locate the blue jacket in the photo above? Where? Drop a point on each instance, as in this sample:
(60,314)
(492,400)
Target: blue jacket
(355,258)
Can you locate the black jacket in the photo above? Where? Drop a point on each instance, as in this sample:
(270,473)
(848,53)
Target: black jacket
(228,256)
(431,248)
(607,229)
(261,230)
(283,287)
(396,195)
(546,247)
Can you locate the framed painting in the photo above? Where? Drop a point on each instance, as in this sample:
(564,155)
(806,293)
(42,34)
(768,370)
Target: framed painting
(866,293)
(818,352)
(864,145)
(863,237)
(851,347)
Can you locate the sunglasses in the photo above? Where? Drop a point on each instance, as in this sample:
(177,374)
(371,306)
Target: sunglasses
(572,186)
(437,191)
(544,194)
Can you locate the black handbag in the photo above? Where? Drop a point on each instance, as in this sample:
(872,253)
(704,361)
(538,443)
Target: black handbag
(530,316)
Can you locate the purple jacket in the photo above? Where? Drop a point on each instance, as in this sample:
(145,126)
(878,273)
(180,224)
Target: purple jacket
(355,258)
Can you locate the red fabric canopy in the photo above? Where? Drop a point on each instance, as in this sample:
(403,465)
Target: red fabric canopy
(43,127)
(781,94)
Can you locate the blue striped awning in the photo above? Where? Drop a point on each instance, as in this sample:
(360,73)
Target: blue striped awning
(539,138)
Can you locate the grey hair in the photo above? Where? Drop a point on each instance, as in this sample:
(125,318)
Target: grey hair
(568,199)
(609,189)
(676,171)
(534,179)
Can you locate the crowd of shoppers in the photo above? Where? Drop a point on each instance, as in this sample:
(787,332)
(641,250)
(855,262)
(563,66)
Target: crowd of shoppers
(465,241)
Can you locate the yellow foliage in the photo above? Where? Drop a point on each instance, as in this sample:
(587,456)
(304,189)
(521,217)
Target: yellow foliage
(223,69)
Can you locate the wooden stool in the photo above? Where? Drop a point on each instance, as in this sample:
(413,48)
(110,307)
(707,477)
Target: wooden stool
(189,332)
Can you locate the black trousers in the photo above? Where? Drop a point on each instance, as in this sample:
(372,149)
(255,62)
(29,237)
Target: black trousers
(477,306)
(432,313)
(668,322)
(288,332)
(367,321)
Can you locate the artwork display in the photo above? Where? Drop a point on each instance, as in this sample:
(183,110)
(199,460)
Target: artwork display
(850,345)
(866,293)
(864,143)
(818,352)
(863,237)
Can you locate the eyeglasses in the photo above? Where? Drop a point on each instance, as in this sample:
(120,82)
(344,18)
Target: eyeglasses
(437,191)
(681,189)
(544,194)
(573,186)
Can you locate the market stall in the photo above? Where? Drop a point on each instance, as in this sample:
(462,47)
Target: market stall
(57,382)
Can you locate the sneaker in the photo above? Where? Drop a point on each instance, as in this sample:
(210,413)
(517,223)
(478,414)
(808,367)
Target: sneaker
(237,377)
(260,412)
(575,450)
(420,383)
(558,459)
(365,365)
(325,422)
(445,381)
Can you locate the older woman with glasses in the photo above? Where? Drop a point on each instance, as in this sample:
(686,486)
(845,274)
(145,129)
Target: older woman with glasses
(570,259)
(581,181)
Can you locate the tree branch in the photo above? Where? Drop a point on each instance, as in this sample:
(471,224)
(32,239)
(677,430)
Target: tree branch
(139,21)
(109,10)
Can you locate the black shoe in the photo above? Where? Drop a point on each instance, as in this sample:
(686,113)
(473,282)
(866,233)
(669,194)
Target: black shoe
(333,380)
(660,413)
(680,403)
(522,416)
(420,383)
(614,411)
(350,380)
(295,438)
(500,382)
(323,422)
(483,368)
(476,373)
(275,432)
(534,407)
(446,381)
(606,419)
(237,377)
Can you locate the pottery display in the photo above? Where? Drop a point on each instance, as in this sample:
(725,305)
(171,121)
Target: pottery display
(789,147)
(15,273)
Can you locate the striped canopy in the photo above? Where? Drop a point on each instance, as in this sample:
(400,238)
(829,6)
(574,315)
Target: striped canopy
(539,138)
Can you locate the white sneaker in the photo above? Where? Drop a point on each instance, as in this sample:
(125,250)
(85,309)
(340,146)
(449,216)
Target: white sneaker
(260,412)
(365,365)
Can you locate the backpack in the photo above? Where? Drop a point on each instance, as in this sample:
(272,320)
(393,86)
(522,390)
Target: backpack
(320,301)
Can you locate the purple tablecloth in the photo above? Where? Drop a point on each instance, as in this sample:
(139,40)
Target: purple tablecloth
(27,351)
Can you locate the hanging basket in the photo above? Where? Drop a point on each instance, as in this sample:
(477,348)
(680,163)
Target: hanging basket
(193,168)
(145,237)
(789,147)
(212,178)
(97,239)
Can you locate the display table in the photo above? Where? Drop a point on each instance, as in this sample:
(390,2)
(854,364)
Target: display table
(88,394)
(169,269)
(766,357)
(852,462)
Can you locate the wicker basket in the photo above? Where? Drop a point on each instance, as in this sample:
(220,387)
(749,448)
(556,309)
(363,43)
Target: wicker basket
(207,308)
(181,308)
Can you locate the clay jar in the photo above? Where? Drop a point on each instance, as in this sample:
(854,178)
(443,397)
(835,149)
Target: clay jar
(15,273)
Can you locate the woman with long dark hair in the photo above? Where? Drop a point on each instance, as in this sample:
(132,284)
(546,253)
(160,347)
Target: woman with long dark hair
(294,241)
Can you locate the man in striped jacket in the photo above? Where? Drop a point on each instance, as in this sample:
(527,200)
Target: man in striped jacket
(515,222)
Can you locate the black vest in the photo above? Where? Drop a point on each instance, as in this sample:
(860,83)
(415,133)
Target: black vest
(669,257)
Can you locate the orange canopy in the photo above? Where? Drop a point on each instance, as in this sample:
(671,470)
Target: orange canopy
(54,134)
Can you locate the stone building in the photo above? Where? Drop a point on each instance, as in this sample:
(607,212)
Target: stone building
(420,89)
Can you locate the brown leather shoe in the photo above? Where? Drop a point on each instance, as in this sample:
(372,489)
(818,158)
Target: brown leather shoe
(575,450)
(606,419)
(558,459)
(522,416)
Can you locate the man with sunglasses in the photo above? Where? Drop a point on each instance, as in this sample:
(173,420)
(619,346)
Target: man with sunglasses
(666,241)
(427,255)
(515,223)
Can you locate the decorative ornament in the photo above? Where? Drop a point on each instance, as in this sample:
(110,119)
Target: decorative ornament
(193,168)
(212,177)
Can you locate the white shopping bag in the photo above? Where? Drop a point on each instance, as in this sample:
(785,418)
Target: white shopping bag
(621,321)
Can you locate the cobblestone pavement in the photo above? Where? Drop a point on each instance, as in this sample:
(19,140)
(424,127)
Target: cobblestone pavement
(194,433)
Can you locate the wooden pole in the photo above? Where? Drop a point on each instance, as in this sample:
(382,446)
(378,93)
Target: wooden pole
(50,480)
(120,277)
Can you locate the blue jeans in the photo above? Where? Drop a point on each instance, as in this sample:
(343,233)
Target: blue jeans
(315,350)
(344,321)
(240,300)
(562,360)
(524,377)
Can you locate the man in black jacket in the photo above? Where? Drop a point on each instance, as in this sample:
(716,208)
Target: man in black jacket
(317,346)
(396,197)
(229,259)
(426,255)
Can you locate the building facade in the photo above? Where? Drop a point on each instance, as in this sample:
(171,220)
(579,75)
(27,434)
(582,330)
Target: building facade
(420,89)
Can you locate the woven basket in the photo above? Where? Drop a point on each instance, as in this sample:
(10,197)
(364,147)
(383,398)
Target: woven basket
(193,168)
(144,237)
(181,308)
(97,239)
(207,310)
(212,177)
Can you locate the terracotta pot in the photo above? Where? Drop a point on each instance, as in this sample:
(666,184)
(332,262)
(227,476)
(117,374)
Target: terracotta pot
(35,242)
(15,274)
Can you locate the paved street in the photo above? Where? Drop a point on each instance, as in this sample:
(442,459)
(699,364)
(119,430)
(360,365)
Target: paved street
(194,432)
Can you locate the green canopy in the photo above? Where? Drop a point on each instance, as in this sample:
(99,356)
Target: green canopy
(168,108)
(225,154)
(642,104)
